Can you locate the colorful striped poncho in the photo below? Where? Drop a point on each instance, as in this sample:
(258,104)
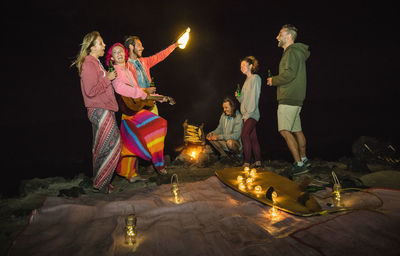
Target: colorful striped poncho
(143,136)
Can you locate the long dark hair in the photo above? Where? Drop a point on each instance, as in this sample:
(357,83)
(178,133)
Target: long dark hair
(231,103)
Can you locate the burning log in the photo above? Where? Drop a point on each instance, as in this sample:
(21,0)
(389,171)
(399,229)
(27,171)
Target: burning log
(195,151)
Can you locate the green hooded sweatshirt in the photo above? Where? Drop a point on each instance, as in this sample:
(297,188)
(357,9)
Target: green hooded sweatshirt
(291,81)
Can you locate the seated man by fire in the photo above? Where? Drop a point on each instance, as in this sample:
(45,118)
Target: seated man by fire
(226,137)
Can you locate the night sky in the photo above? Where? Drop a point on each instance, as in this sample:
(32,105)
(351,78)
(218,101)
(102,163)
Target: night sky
(352,84)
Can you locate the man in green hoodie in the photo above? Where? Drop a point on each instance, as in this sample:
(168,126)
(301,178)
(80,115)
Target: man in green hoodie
(291,91)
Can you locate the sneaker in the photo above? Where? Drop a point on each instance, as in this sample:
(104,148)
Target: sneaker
(307,163)
(297,170)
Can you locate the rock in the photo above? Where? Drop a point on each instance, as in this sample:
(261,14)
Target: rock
(86,182)
(30,186)
(358,165)
(385,179)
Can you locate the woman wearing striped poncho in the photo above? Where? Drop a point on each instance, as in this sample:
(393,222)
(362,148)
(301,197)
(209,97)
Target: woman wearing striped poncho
(99,99)
(142,133)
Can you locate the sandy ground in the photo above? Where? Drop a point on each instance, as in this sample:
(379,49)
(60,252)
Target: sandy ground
(15,211)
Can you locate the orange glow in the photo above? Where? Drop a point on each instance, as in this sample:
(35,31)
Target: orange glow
(194,152)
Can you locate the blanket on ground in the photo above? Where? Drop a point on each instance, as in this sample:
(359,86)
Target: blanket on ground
(212,220)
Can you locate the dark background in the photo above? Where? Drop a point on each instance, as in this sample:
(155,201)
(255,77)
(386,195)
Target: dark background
(352,86)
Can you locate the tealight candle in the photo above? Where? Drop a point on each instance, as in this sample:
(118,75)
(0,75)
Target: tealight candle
(249,180)
(246,171)
(258,189)
(242,186)
(240,178)
(253,173)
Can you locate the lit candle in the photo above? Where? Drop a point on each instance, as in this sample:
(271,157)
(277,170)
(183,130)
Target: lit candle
(249,180)
(246,171)
(175,188)
(336,194)
(258,189)
(240,178)
(130,232)
(253,173)
(273,211)
(274,195)
(242,186)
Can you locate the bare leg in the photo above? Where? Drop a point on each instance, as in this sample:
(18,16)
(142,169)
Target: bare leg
(292,144)
(301,142)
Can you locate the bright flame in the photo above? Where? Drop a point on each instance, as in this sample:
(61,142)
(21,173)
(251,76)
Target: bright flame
(193,154)
(182,41)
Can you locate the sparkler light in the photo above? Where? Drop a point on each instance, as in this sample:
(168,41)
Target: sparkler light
(182,41)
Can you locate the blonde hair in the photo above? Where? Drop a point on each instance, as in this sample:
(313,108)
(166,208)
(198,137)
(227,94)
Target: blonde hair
(88,41)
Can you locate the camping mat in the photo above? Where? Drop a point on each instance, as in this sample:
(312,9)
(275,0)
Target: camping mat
(213,219)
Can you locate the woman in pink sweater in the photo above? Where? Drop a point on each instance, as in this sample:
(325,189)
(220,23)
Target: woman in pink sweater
(142,132)
(99,99)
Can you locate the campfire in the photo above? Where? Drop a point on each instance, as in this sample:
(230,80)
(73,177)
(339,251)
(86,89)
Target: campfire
(195,151)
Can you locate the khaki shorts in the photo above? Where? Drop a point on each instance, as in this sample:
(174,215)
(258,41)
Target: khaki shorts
(289,118)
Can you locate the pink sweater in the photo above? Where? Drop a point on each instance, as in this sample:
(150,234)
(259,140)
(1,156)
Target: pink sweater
(96,87)
(123,78)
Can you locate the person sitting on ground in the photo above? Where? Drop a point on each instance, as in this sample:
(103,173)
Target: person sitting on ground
(226,137)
